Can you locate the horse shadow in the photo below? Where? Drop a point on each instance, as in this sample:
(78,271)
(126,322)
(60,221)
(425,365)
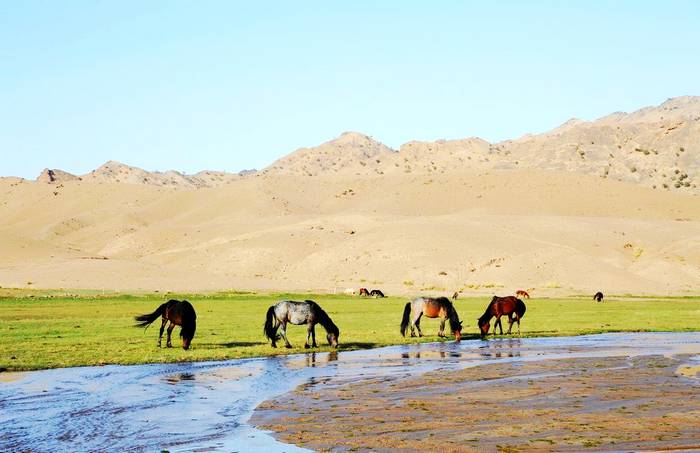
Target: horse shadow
(234,344)
(357,345)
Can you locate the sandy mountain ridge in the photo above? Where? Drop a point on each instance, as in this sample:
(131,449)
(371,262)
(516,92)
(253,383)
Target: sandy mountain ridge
(117,172)
(657,147)
(419,227)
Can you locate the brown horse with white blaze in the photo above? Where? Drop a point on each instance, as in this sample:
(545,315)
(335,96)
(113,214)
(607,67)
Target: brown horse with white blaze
(498,307)
(440,307)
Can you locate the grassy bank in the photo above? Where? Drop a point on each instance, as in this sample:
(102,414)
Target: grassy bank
(48,330)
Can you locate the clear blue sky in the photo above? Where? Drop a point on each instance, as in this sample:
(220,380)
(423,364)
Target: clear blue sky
(193,85)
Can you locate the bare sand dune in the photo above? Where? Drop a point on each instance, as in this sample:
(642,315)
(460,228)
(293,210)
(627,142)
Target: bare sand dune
(479,231)
(607,205)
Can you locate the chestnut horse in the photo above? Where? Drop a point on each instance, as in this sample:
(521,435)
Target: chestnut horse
(440,307)
(498,307)
(179,313)
(522,293)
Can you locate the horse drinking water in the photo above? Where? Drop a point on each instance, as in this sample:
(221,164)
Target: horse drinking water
(179,313)
(432,308)
(498,307)
(307,312)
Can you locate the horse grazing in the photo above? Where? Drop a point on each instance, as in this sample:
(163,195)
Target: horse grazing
(498,307)
(598,297)
(307,312)
(522,293)
(364,292)
(432,308)
(376,293)
(179,313)
(455,295)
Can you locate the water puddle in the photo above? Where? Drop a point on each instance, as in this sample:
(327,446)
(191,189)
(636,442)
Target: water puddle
(206,405)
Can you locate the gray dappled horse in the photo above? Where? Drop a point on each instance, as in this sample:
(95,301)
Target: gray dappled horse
(293,312)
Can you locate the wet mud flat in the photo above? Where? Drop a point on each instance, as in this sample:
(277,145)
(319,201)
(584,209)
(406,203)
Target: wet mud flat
(601,392)
(639,393)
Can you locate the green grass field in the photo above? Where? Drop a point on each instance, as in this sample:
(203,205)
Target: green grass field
(48,330)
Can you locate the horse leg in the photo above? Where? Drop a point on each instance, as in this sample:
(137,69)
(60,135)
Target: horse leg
(170,331)
(417,323)
(313,336)
(441,332)
(309,329)
(412,325)
(497,323)
(517,317)
(510,323)
(162,328)
(283,332)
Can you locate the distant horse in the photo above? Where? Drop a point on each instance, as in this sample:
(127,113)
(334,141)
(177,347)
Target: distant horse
(522,293)
(455,295)
(307,312)
(179,313)
(432,308)
(364,292)
(498,307)
(376,293)
(598,297)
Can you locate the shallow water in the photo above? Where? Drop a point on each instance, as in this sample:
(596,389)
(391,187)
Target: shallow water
(205,406)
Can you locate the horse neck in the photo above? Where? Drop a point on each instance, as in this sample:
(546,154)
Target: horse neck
(487,314)
(325,320)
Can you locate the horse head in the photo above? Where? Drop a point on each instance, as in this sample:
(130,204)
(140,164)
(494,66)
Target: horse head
(332,338)
(458,332)
(186,343)
(484,327)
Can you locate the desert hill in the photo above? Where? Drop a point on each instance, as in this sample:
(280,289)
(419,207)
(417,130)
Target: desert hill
(432,217)
(657,147)
(349,153)
(117,172)
(495,231)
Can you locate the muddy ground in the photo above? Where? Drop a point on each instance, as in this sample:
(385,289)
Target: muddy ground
(601,404)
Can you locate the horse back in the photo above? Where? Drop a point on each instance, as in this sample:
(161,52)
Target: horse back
(180,312)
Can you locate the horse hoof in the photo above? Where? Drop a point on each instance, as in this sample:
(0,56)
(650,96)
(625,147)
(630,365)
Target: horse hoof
(306,346)
(288,346)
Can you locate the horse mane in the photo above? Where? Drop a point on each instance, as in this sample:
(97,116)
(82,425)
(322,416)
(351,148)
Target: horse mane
(451,313)
(487,313)
(323,318)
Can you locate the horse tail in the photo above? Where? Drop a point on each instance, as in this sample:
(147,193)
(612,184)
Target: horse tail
(147,319)
(269,327)
(406,318)
(189,322)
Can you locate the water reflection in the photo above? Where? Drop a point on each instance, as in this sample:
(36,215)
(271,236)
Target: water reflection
(114,407)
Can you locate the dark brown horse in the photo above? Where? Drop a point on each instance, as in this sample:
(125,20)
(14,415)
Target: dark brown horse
(179,313)
(440,307)
(364,292)
(598,297)
(498,307)
(376,293)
